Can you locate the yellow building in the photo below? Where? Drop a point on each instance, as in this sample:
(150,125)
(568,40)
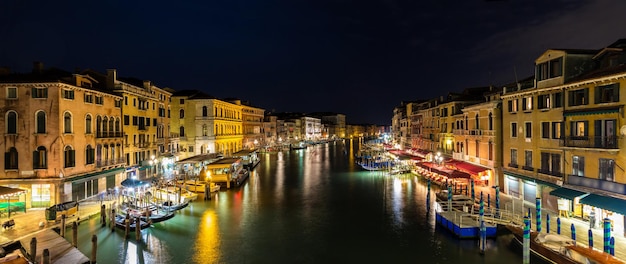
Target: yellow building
(206,124)
(251,123)
(145,123)
(62,135)
(478,136)
(564,135)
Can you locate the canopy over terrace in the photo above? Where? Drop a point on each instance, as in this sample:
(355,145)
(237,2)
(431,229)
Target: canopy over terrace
(194,164)
(8,193)
(441,174)
(479,173)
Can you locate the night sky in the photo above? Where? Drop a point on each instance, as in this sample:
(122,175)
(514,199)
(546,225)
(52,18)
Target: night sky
(356,57)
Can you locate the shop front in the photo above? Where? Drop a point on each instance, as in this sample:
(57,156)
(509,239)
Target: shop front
(601,207)
(569,202)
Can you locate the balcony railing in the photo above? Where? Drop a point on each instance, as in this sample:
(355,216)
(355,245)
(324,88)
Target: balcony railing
(110,162)
(598,184)
(551,173)
(105,134)
(601,142)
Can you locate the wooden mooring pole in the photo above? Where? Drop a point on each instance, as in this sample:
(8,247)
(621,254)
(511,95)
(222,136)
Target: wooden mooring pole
(33,249)
(46,256)
(74,234)
(63,225)
(94,248)
(138,229)
(103,215)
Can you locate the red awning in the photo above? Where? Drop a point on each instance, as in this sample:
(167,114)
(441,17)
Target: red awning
(469,167)
(459,174)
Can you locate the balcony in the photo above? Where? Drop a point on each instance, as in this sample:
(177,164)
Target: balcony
(110,162)
(513,165)
(599,142)
(101,134)
(475,132)
(597,184)
(528,168)
(142,144)
(551,173)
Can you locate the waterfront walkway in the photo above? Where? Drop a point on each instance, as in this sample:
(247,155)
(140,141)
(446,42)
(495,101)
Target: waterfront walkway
(33,223)
(30,222)
(519,208)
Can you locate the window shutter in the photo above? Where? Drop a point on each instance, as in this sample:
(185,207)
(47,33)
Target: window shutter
(35,159)
(72,157)
(45,93)
(7,160)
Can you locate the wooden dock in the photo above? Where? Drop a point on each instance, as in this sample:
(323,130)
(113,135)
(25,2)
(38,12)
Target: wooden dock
(61,251)
(460,220)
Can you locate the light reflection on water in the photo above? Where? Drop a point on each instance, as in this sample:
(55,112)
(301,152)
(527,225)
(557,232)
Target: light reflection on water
(306,206)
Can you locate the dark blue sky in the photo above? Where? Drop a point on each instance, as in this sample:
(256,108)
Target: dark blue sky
(357,57)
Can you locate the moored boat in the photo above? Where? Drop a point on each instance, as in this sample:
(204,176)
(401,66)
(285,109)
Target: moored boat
(561,250)
(173,193)
(171,206)
(120,222)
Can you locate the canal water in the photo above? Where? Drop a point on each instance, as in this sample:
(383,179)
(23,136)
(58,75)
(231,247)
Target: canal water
(312,205)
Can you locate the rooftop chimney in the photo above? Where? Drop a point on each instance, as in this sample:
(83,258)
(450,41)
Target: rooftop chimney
(37,67)
(5,71)
(146,84)
(111,78)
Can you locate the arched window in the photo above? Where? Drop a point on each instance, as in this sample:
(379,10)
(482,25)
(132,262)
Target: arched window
(477,122)
(205,111)
(111,125)
(216,132)
(182,113)
(466,124)
(67,122)
(490,121)
(11,122)
(10,159)
(98,126)
(117,127)
(205,131)
(40,123)
(182,131)
(88,124)
(215,111)
(90,154)
(40,159)
(105,122)
(68,157)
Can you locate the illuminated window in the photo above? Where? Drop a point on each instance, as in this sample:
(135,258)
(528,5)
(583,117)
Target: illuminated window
(578,165)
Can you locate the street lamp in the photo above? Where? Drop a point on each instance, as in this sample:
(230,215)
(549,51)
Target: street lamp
(439,158)
(153,163)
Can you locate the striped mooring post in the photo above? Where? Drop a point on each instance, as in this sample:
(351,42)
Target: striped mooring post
(612,248)
(472,190)
(548,223)
(497,201)
(590,235)
(573,228)
(483,228)
(558,225)
(538,213)
(449,197)
(607,235)
(526,242)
